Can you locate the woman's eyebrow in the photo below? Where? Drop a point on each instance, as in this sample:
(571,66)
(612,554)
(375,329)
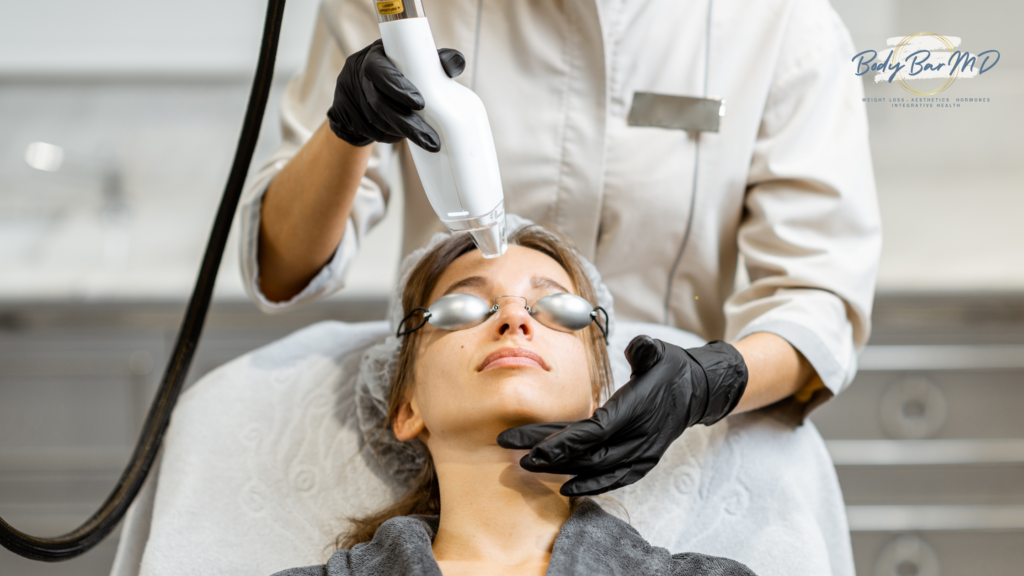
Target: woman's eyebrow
(544,282)
(470,282)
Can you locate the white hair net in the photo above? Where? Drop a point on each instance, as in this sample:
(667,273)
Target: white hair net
(399,460)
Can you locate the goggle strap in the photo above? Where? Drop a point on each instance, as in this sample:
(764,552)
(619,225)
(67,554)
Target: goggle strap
(426,316)
(603,327)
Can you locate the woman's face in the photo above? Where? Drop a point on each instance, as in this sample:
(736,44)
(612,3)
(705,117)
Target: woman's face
(469,385)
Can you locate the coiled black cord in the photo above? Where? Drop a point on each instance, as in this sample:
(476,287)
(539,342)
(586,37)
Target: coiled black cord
(104,520)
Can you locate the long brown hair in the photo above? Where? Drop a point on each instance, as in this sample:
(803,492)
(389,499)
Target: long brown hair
(425,496)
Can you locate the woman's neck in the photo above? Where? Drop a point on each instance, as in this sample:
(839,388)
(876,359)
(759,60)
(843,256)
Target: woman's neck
(493,512)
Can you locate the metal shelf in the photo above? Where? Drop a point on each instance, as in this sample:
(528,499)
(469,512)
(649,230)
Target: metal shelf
(925,452)
(949,357)
(934,518)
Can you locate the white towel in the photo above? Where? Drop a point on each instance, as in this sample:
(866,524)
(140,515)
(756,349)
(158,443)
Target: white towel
(261,465)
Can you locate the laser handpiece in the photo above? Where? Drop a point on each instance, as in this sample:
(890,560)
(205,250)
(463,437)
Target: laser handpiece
(462,180)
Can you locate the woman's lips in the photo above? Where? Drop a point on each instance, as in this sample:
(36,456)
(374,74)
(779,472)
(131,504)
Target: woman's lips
(512,357)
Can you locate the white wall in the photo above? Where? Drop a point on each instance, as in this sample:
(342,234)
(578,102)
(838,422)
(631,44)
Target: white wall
(208,37)
(155,91)
(949,181)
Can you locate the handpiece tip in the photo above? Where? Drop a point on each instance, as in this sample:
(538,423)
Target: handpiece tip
(491,241)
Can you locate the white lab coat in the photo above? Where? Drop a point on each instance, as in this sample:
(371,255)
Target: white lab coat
(787,182)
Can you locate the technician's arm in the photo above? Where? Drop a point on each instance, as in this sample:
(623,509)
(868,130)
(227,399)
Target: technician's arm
(307,205)
(305,210)
(775,370)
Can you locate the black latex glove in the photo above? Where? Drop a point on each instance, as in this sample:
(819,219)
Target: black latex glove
(670,390)
(373,101)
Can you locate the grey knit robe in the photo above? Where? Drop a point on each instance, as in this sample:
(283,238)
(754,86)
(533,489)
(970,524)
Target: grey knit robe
(590,543)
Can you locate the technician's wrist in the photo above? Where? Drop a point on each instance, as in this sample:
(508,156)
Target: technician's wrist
(339,128)
(727,377)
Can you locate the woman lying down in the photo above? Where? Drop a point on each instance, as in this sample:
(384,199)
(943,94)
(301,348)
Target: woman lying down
(488,345)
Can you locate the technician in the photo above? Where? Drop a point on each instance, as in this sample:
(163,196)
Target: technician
(664,203)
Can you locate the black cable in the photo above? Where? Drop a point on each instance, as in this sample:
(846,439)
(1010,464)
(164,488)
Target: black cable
(104,520)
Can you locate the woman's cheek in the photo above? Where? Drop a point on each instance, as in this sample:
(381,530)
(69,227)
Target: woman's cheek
(444,369)
(575,374)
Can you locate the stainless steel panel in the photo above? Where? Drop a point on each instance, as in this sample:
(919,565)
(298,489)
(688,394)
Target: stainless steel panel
(979,404)
(939,357)
(979,484)
(96,563)
(934,518)
(988,553)
(925,452)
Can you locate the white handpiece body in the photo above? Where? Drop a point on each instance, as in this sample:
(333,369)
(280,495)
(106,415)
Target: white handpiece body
(462,180)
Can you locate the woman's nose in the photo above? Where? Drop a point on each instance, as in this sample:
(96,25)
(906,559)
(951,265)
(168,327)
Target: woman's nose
(513,319)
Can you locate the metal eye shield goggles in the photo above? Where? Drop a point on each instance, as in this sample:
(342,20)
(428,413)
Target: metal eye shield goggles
(562,311)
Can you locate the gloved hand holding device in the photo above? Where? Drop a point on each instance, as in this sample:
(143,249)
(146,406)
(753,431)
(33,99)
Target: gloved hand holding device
(373,101)
(669,390)
(402,87)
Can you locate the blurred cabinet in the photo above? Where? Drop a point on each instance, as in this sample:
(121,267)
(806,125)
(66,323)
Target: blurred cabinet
(929,440)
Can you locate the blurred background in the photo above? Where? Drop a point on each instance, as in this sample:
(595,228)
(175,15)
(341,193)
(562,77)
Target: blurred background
(98,259)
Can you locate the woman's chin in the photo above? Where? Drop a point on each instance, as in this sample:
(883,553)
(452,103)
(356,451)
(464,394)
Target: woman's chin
(520,403)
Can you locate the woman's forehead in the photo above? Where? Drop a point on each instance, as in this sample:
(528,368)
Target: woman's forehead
(520,268)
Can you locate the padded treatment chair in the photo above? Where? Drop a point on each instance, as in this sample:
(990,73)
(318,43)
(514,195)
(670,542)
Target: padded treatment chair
(264,460)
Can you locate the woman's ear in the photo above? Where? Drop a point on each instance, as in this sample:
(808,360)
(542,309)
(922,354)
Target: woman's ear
(408,424)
